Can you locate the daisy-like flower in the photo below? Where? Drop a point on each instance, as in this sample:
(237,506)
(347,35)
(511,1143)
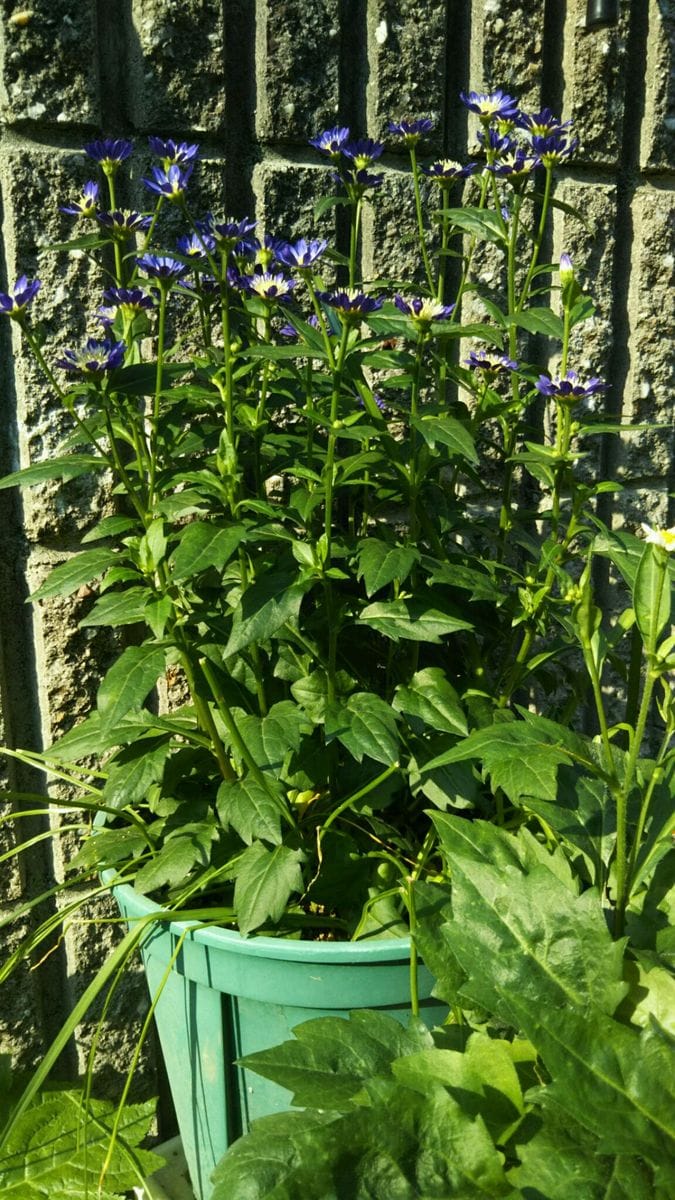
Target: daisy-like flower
(122,223)
(423,310)
(490,104)
(269,286)
(491,364)
(541,124)
(230,234)
(362,152)
(555,148)
(171,182)
(351,303)
(195,245)
(85,205)
(570,389)
(493,139)
(95,358)
(360,178)
(665,538)
(300,254)
(130,301)
(15,303)
(109,152)
(180,153)
(446,171)
(515,164)
(161,266)
(411,131)
(331,141)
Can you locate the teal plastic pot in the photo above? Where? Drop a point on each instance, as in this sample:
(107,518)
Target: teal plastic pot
(226,996)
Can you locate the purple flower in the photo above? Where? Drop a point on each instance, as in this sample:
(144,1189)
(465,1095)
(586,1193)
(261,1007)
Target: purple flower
(14,304)
(351,302)
(161,266)
(515,164)
(331,141)
(492,139)
(423,310)
(269,286)
(360,179)
(555,148)
(411,131)
(109,152)
(195,245)
(542,123)
(130,300)
(493,364)
(301,253)
(122,223)
(85,206)
(445,171)
(94,358)
(171,152)
(570,389)
(490,104)
(171,183)
(230,234)
(362,152)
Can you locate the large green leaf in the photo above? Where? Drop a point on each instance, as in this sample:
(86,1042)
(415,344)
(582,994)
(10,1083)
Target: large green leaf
(431,699)
(264,608)
(272,738)
(411,620)
(129,681)
(249,808)
(380,563)
(188,848)
(118,608)
(68,467)
(58,1147)
(447,431)
(70,575)
(539,320)
(204,545)
(366,726)
(266,879)
(652,594)
(131,776)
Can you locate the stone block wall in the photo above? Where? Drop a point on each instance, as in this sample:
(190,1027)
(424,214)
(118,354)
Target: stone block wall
(251,80)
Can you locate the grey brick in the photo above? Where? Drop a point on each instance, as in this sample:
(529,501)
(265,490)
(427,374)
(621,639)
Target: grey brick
(298,48)
(50,71)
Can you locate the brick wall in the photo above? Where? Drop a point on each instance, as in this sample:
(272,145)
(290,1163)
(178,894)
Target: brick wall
(251,80)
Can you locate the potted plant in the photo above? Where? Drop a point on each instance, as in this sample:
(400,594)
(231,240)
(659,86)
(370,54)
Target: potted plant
(324,576)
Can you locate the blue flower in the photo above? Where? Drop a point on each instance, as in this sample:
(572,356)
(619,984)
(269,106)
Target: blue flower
(423,310)
(230,234)
(180,153)
(445,171)
(14,304)
(161,266)
(516,164)
(331,141)
(492,364)
(195,245)
(109,152)
(542,123)
(268,285)
(362,152)
(411,131)
(301,253)
(171,183)
(122,223)
(350,302)
(94,358)
(493,139)
(554,148)
(490,104)
(570,389)
(86,205)
(130,300)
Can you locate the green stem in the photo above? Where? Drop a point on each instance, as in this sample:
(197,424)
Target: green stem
(539,237)
(420,220)
(154,421)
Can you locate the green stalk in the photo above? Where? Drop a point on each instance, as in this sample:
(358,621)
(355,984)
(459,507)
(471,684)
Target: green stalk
(539,237)
(420,220)
(354,231)
(154,422)
(109,173)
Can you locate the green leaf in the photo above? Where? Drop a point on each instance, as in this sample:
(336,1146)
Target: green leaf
(70,575)
(265,606)
(366,726)
(431,699)
(652,594)
(140,379)
(265,881)
(273,738)
(448,431)
(58,1146)
(248,807)
(481,222)
(380,563)
(539,320)
(131,775)
(521,760)
(69,467)
(204,545)
(129,681)
(411,620)
(171,866)
(118,608)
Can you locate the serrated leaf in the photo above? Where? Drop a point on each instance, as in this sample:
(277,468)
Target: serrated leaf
(70,575)
(265,606)
(482,223)
(247,807)
(272,738)
(265,881)
(68,467)
(652,594)
(517,758)
(431,699)
(380,563)
(129,681)
(366,726)
(447,431)
(118,608)
(177,856)
(411,620)
(129,781)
